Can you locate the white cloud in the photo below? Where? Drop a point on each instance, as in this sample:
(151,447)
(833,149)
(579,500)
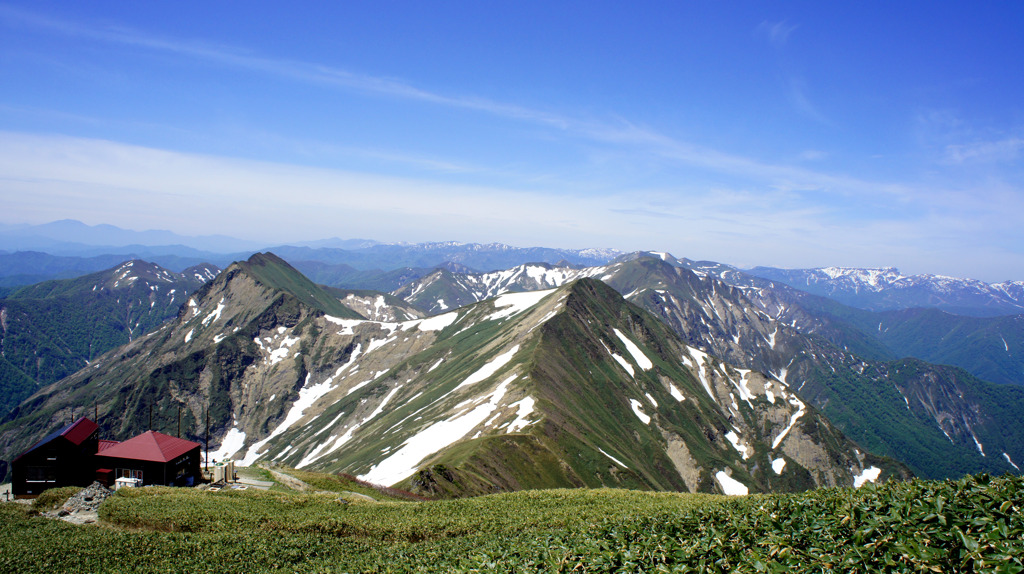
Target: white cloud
(777,33)
(1003,150)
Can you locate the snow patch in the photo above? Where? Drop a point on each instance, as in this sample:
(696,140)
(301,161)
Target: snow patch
(525,409)
(650,398)
(739,446)
(281,353)
(307,396)
(638,410)
(778,465)
(976,443)
(233,442)
(792,421)
(675,393)
(700,357)
(490,368)
(1007,457)
(437,322)
(625,364)
(215,314)
(615,460)
(867,475)
(641,359)
(347,325)
(513,303)
(730,485)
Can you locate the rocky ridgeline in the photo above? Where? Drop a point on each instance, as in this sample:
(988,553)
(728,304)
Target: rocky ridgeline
(83,507)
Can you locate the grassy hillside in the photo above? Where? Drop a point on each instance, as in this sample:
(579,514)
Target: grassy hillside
(273,272)
(974,524)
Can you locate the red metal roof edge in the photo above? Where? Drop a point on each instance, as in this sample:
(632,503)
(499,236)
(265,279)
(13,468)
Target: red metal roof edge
(105,444)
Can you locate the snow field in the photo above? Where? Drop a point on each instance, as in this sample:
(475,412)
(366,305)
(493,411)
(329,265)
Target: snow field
(432,439)
(513,303)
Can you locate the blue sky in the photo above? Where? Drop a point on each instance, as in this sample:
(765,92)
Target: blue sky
(754,133)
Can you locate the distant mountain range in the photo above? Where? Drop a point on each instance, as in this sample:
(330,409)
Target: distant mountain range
(64,249)
(322,378)
(71,237)
(887,289)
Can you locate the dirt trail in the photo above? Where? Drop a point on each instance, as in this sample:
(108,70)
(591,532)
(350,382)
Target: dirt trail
(296,484)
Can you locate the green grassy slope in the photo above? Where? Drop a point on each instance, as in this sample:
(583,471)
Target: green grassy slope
(275,273)
(972,525)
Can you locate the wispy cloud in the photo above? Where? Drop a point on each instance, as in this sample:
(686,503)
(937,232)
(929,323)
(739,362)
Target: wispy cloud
(777,33)
(812,155)
(1003,150)
(617,132)
(802,102)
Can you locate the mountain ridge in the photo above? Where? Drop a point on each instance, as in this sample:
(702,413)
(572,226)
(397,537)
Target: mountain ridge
(285,381)
(756,325)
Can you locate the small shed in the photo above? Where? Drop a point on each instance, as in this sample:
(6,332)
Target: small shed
(62,458)
(154,458)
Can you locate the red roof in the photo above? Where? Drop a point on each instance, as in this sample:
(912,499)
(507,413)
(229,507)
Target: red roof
(75,433)
(80,430)
(152,446)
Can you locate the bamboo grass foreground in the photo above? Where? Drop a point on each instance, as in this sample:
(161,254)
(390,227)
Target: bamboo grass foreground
(969,525)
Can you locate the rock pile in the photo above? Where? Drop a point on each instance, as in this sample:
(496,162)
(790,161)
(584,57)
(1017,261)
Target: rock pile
(82,508)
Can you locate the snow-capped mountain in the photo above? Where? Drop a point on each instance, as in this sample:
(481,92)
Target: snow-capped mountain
(887,289)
